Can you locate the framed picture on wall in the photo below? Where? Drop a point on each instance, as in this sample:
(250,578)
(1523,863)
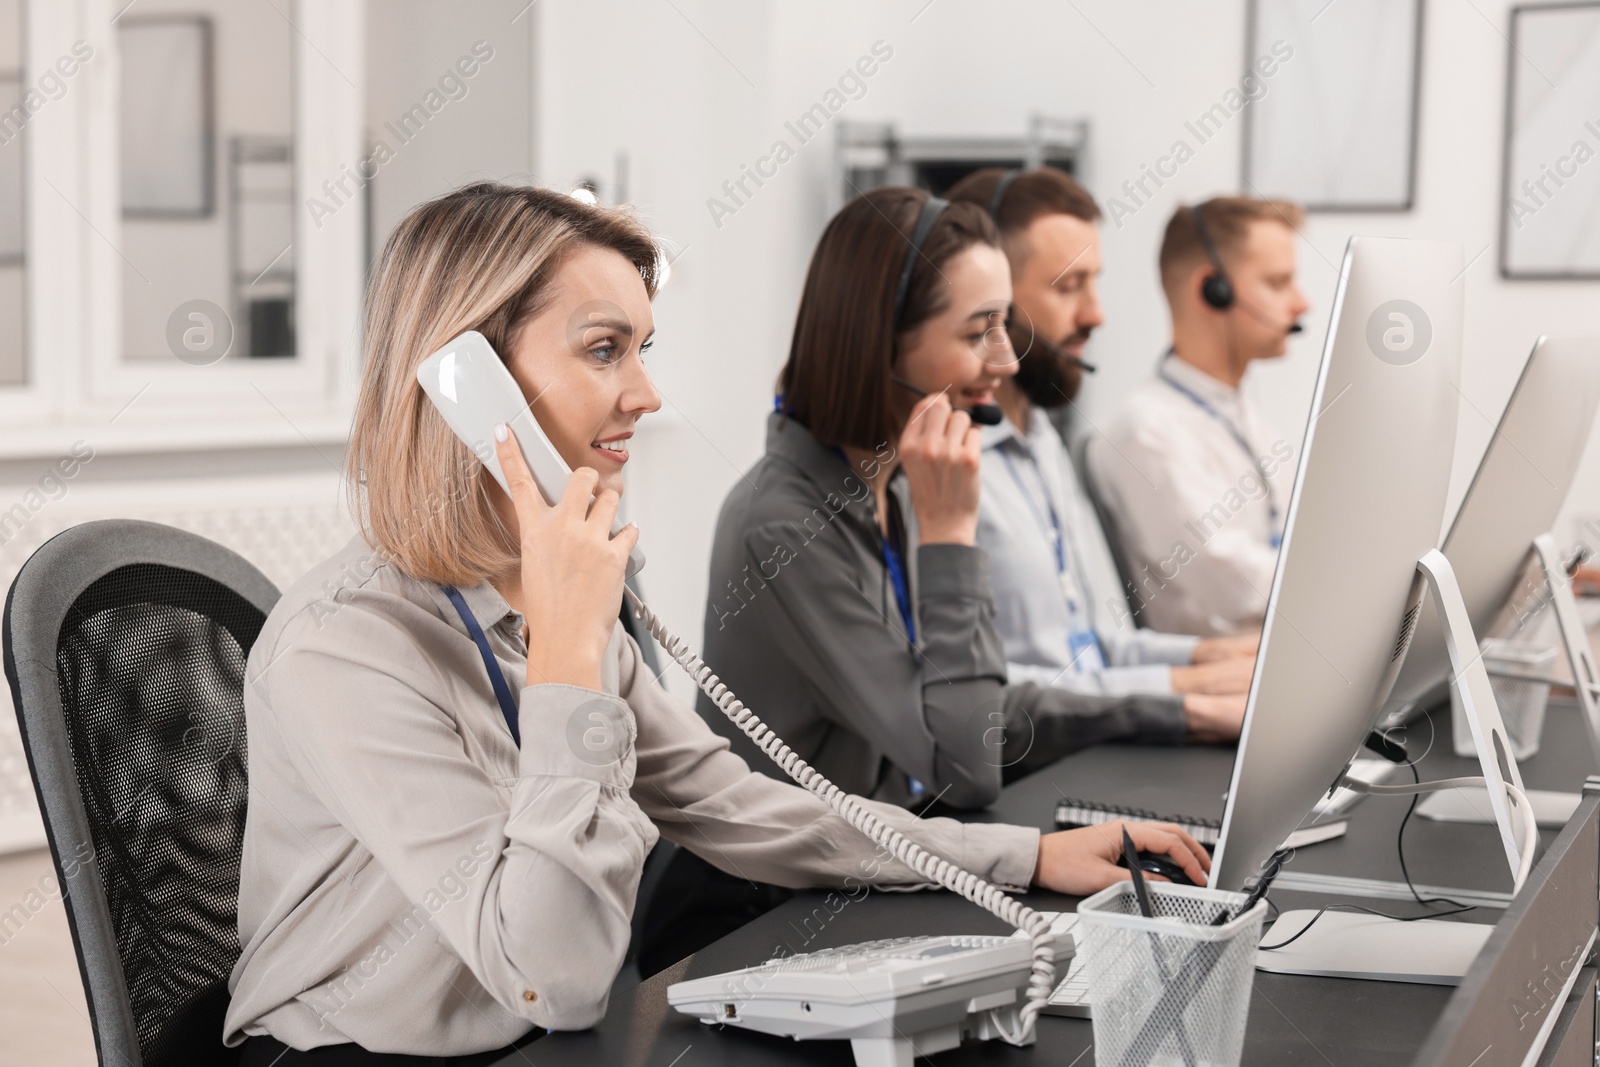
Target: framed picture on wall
(11,145)
(1334,125)
(1550,207)
(167,121)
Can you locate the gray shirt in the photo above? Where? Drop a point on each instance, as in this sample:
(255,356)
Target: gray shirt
(1031,496)
(802,622)
(413,882)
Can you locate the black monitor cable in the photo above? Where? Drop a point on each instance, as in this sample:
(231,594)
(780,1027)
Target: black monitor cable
(1457,908)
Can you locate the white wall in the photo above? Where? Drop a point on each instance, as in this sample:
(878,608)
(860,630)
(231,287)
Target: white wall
(1458,199)
(700,100)
(487,133)
(690,91)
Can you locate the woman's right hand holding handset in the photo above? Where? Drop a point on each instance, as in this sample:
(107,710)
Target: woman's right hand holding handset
(572,569)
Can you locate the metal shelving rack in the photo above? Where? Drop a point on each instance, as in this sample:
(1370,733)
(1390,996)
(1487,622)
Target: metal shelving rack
(870,154)
(261,247)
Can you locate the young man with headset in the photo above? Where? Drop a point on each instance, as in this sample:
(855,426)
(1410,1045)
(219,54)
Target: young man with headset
(1195,481)
(1055,587)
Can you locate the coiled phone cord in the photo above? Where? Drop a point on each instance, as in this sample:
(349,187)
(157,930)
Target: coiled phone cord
(935,868)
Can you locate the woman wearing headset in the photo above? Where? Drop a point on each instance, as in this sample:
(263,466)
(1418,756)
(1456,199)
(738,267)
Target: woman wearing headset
(847,598)
(430,869)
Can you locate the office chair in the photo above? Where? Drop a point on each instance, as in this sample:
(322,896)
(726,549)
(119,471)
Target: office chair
(1091,488)
(125,647)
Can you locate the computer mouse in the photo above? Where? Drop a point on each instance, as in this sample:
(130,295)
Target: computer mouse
(1162,864)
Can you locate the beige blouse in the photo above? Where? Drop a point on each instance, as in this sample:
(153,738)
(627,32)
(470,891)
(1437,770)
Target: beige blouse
(414,883)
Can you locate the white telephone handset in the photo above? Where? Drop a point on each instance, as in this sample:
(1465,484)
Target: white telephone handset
(977,994)
(470,385)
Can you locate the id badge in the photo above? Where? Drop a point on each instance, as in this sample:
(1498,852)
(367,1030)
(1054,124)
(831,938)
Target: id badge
(1085,649)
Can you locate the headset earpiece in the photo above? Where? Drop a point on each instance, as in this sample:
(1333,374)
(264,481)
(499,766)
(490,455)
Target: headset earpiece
(1216,290)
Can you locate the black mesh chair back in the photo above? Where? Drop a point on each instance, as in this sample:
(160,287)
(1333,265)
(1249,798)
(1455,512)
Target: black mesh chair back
(1091,488)
(125,647)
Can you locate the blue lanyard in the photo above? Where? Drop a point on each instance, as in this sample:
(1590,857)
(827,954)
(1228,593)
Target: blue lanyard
(1200,402)
(1055,521)
(902,591)
(1080,641)
(897,572)
(902,599)
(497,678)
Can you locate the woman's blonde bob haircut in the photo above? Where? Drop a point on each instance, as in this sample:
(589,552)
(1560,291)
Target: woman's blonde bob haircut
(480,258)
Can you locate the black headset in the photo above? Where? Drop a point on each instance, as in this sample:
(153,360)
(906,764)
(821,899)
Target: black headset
(1001,188)
(1216,290)
(932,208)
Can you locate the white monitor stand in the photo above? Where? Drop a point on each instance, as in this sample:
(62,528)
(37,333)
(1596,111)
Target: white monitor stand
(1345,944)
(1550,809)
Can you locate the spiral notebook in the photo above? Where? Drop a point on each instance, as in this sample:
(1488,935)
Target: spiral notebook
(1073,813)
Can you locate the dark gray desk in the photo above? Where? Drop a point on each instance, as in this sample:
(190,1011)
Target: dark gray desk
(1192,781)
(1292,1019)
(1357,1023)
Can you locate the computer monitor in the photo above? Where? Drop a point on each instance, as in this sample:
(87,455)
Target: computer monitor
(1368,502)
(1518,489)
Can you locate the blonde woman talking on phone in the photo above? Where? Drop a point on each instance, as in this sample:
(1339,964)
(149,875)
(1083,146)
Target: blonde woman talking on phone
(436,860)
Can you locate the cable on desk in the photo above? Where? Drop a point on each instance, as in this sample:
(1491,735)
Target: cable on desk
(1400,838)
(1400,847)
(1520,806)
(1457,908)
(1365,910)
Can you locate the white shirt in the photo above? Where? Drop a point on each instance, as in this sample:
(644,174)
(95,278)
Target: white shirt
(1031,496)
(1199,531)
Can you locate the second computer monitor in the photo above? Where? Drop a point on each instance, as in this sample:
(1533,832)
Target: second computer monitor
(1519,487)
(1368,502)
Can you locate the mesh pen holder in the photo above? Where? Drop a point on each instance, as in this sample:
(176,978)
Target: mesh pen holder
(1519,678)
(1170,989)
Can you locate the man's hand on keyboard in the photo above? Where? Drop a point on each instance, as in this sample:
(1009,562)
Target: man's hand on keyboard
(1084,861)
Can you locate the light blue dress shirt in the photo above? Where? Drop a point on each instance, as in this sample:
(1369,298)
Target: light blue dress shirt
(1030,491)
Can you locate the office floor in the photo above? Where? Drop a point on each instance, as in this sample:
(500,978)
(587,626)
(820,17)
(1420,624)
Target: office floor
(42,1014)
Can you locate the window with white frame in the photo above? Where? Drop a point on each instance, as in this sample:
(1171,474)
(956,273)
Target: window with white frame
(13,250)
(178,292)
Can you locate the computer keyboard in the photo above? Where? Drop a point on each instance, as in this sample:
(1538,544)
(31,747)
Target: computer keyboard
(1071,996)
